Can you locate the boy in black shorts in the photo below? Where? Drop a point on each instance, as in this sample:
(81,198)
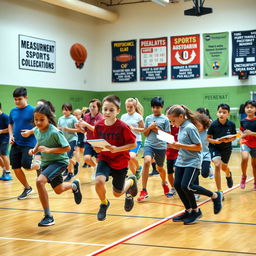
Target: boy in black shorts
(221,148)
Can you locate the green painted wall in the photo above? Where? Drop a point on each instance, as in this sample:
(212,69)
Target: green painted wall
(78,99)
(192,98)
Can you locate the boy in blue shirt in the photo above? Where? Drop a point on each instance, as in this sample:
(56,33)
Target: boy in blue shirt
(21,117)
(153,147)
(4,140)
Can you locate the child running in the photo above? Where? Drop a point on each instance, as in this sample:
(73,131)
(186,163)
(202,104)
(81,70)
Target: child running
(221,148)
(134,119)
(115,161)
(188,164)
(248,141)
(53,147)
(153,147)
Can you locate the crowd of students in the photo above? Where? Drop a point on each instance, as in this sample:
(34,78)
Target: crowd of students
(41,144)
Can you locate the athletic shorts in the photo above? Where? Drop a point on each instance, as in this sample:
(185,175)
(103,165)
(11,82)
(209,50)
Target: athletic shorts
(170,165)
(72,144)
(88,150)
(158,155)
(224,155)
(19,157)
(80,144)
(136,150)
(53,172)
(118,175)
(4,148)
(252,151)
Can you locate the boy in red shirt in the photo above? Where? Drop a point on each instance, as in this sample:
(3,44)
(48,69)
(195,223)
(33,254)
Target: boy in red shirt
(115,161)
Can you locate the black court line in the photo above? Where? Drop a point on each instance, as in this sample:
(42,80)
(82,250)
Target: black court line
(130,216)
(189,248)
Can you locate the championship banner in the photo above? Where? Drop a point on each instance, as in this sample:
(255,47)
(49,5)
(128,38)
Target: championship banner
(124,61)
(215,54)
(153,59)
(185,57)
(244,52)
(37,54)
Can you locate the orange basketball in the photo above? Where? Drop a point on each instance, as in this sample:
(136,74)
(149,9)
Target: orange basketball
(78,53)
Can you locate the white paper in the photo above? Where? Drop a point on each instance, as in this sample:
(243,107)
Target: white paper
(164,136)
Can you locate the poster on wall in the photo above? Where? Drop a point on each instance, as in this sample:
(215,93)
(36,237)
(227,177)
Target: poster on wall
(215,54)
(124,61)
(37,54)
(153,59)
(185,57)
(244,52)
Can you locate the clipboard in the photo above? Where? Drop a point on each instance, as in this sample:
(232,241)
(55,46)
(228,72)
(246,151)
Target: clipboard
(99,143)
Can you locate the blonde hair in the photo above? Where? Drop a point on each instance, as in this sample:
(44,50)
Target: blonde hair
(84,109)
(177,110)
(138,107)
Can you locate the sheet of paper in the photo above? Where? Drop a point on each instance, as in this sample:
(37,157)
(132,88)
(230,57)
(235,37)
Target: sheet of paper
(100,143)
(164,136)
(228,137)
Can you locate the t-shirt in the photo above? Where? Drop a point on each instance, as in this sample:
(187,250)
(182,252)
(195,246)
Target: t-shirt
(218,130)
(69,122)
(162,123)
(248,124)
(188,134)
(205,144)
(52,138)
(172,153)
(118,134)
(133,120)
(4,121)
(92,120)
(22,118)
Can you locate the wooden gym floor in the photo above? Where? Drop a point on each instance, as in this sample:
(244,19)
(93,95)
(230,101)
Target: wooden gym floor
(146,230)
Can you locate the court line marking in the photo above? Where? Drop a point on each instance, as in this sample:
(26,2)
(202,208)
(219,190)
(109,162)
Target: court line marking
(48,241)
(139,232)
(190,248)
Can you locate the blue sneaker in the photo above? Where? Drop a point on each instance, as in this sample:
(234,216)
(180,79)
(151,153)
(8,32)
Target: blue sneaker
(6,177)
(1,178)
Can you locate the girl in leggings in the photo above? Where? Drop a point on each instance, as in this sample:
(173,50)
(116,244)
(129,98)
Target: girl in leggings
(188,164)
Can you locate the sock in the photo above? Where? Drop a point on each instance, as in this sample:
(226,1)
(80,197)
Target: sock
(74,187)
(132,182)
(144,189)
(7,171)
(154,166)
(104,201)
(47,212)
(220,190)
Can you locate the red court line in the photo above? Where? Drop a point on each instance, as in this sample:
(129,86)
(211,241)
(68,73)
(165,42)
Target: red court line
(124,239)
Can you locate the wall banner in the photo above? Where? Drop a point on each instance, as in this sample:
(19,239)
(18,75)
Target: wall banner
(244,52)
(215,54)
(37,54)
(124,61)
(185,57)
(153,59)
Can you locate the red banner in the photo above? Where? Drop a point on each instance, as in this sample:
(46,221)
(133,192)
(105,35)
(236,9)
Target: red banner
(185,57)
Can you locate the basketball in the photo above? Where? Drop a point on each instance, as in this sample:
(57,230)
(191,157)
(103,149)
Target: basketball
(79,54)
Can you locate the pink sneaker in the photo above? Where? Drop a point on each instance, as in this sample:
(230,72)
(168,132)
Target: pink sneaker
(166,188)
(243,182)
(143,196)
(254,186)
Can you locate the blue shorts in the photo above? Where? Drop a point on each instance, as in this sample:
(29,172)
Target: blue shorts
(252,151)
(53,172)
(170,165)
(88,150)
(224,155)
(72,144)
(118,175)
(157,154)
(136,150)
(4,148)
